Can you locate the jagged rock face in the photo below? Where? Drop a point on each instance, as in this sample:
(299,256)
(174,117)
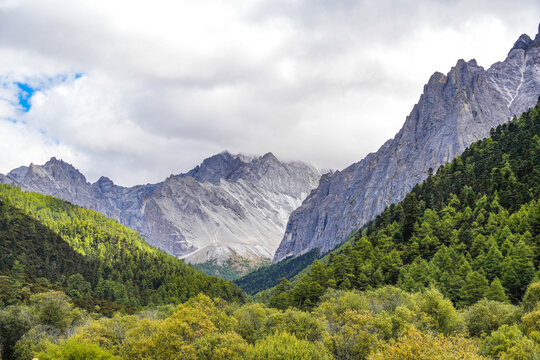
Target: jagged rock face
(229,206)
(454,111)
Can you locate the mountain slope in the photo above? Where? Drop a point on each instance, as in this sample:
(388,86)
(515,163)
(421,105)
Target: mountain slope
(229,207)
(475,223)
(115,263)
(454,110)
(266,277)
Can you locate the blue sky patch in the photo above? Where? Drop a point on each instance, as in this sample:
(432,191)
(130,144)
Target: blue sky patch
(25,93)
(28,89)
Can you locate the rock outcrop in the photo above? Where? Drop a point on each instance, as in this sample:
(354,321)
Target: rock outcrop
(454,111)
(229,206)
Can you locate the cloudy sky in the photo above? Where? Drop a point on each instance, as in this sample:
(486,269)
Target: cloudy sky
(137,90)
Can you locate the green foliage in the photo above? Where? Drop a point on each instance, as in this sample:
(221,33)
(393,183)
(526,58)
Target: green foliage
(268,276)
(108,333)
(474,288)
(232,269)
(74,350)
(357,334)
(25,329)
(416,345)
(91,256)
(29,257)
(471,231)
(77,287)
(283,346)
(532,297)
(437,313)
(252,321)
(35,341)
(280,298)
(384,323)
(487,315)
(15,321)
(531,322)
(53,309)
(496,292)
(507,342)
(226,346)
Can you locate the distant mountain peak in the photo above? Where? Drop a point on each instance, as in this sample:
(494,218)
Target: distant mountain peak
(462,66)
(522,43)
(270,156)
(58,164)
(55,162)
(215,168)
(196,212)
(104,180)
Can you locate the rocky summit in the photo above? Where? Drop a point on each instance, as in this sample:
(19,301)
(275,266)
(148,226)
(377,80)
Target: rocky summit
(229,207)
(454,110)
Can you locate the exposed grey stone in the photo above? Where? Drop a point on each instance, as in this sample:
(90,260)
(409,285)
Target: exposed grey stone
(454,111)
(230,205)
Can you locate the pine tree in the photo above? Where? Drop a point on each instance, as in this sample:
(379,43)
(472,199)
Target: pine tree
(280,299)
(493,262)
(411,214)
(518,271)
(474,288)
(496,291)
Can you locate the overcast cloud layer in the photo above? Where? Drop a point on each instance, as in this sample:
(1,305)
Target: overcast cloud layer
(137,90)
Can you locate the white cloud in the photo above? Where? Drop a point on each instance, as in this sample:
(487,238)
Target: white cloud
(168,83)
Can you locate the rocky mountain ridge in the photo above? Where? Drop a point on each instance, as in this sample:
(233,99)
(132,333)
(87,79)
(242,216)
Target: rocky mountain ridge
(454,111)
(230,206)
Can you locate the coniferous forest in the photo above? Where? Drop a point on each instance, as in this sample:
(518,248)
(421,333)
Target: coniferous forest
(53,242)
(472,230)
(450,272)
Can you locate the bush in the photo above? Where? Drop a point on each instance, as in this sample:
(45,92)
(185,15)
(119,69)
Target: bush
(108,333)
(524,349)
(252,321)
(15,321)
(415,345)
(359,333)
(437,313)
(75,350)
(283,346)
(502,341)
(214,346)
(54,309)
(486,316)
(35,341)
(531,322)
(532,297)
(303,325)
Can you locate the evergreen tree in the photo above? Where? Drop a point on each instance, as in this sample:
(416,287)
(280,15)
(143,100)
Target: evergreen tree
(493,262)
(474,288)
(518,271)
(496,291)
(280,298)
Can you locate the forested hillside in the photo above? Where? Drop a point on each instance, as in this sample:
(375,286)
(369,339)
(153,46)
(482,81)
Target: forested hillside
(268,276)
(472,230)
(93,256)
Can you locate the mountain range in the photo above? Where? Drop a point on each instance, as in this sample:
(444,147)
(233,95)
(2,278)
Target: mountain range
(232,210)
(229,208)
(454,111)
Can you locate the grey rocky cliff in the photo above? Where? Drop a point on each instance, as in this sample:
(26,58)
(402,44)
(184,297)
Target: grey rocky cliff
(229,206)
(454,111)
